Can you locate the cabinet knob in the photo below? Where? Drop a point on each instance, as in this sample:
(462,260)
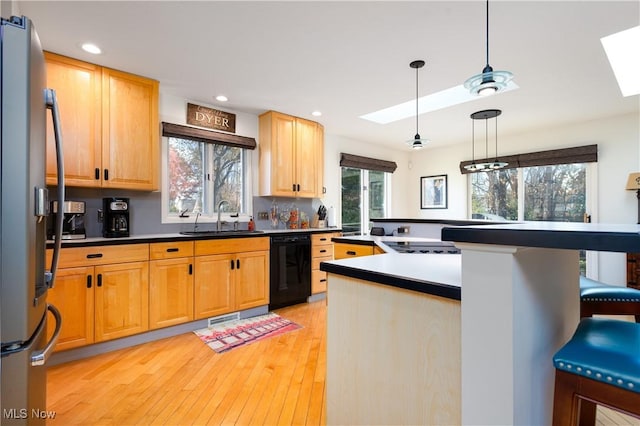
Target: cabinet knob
(173,249)
(106,174)
(190,269)
(89,279)
(94,255)
(97,173)
(351,253)
(99,280)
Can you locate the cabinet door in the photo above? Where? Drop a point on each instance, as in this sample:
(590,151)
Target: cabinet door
(252,279)
(78,90)
(122,300)
(283,155)
(213,285)
(170,292)
(73,296)
(130,132)
(306,175)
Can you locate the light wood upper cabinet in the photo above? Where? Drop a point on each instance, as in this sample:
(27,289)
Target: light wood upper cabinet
(78,87)
(291,156)
(109,125)
(130,131)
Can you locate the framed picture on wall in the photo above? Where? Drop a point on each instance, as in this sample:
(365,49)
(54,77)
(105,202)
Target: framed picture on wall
(433,192)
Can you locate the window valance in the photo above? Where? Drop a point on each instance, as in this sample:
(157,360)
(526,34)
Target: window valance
(359,162)
(208,136)
(580,154)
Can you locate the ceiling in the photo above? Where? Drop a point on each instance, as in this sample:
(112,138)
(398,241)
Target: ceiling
(347,59)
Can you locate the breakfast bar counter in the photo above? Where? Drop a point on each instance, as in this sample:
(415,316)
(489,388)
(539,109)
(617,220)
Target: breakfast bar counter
(520,304)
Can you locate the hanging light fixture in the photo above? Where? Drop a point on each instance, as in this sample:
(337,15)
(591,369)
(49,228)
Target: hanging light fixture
(417,142)
(484,165)
(489,81)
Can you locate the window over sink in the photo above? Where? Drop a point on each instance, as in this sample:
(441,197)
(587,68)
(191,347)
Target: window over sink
(197,176)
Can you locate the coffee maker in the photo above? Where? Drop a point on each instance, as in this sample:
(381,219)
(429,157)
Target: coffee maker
(115,222)
(72,221)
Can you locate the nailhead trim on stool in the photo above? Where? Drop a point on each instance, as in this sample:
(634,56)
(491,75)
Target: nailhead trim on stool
(599,298)
(600,364)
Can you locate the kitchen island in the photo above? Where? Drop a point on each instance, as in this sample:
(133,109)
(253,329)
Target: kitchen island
(519,304)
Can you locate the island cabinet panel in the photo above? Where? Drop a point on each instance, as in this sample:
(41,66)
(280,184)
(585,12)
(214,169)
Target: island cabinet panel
(78,87)
(122,300)
(73,295)
(345,250)
(412,342)
(109,124)
(291,156)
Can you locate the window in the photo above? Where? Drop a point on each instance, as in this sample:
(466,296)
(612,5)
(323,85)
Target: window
(202,168)
(199,175)
(364,197)
(549,193)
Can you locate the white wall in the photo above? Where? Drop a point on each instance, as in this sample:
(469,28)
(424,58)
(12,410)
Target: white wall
(618,140)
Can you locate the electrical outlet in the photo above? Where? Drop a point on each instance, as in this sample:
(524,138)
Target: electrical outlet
(263,216)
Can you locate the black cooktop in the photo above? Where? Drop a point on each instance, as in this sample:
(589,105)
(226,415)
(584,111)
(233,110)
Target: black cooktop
(419,247)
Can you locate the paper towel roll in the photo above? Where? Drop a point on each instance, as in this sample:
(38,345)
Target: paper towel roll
(331,217)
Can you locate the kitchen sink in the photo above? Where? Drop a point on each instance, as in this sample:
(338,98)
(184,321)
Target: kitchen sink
(206,233)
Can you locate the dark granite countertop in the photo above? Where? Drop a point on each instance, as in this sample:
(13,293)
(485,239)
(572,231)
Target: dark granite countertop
(560,235)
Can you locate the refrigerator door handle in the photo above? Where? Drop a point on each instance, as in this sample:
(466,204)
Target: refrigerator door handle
(40,357)
(52,104)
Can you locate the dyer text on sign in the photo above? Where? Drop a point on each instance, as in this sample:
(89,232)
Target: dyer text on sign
(211,118)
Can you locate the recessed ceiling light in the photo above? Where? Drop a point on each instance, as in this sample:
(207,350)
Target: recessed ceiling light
(222,98)
(621,49)
(91,48)
(316,113)
(435,101)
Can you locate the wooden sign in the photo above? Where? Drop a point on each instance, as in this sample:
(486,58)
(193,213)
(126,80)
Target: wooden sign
(211,118)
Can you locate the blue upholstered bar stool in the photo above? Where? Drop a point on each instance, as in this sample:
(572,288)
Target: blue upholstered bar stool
(599,365)
(605,299)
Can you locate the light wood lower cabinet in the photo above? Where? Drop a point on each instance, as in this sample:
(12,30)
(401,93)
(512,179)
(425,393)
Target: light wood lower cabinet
(321,251)
(346,250)
(73,295)
(101,292)
(230,275)
(170,283)
(121,300)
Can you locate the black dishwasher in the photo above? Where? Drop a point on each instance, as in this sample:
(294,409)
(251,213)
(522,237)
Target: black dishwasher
(290,266)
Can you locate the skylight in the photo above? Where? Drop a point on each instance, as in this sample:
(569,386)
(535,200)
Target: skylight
(622,52)
(435,101)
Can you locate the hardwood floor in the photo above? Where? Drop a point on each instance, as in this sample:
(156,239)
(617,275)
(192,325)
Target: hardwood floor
(180,381)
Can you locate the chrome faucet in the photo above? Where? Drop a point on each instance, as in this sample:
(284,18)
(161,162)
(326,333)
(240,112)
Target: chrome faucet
(219,223)
(195,224)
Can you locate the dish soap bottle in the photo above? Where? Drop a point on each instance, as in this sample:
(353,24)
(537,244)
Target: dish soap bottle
(251,226)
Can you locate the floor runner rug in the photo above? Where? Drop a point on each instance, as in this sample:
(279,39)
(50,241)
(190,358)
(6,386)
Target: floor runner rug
(232,334)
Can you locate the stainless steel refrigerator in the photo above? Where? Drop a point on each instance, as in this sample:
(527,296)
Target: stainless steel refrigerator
(24,200)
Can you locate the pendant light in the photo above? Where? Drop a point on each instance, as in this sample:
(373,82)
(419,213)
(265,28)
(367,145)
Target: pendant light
(417,142)
(485,165)
(489,81)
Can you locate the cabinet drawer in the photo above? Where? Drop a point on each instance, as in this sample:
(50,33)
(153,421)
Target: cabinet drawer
(325,238)
(100,255)
(315,261)
(343,251)
(323,250)
(318,282)
(231,245)
(170,250)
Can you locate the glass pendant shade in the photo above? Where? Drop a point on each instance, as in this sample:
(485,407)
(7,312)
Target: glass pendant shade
(488,81)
